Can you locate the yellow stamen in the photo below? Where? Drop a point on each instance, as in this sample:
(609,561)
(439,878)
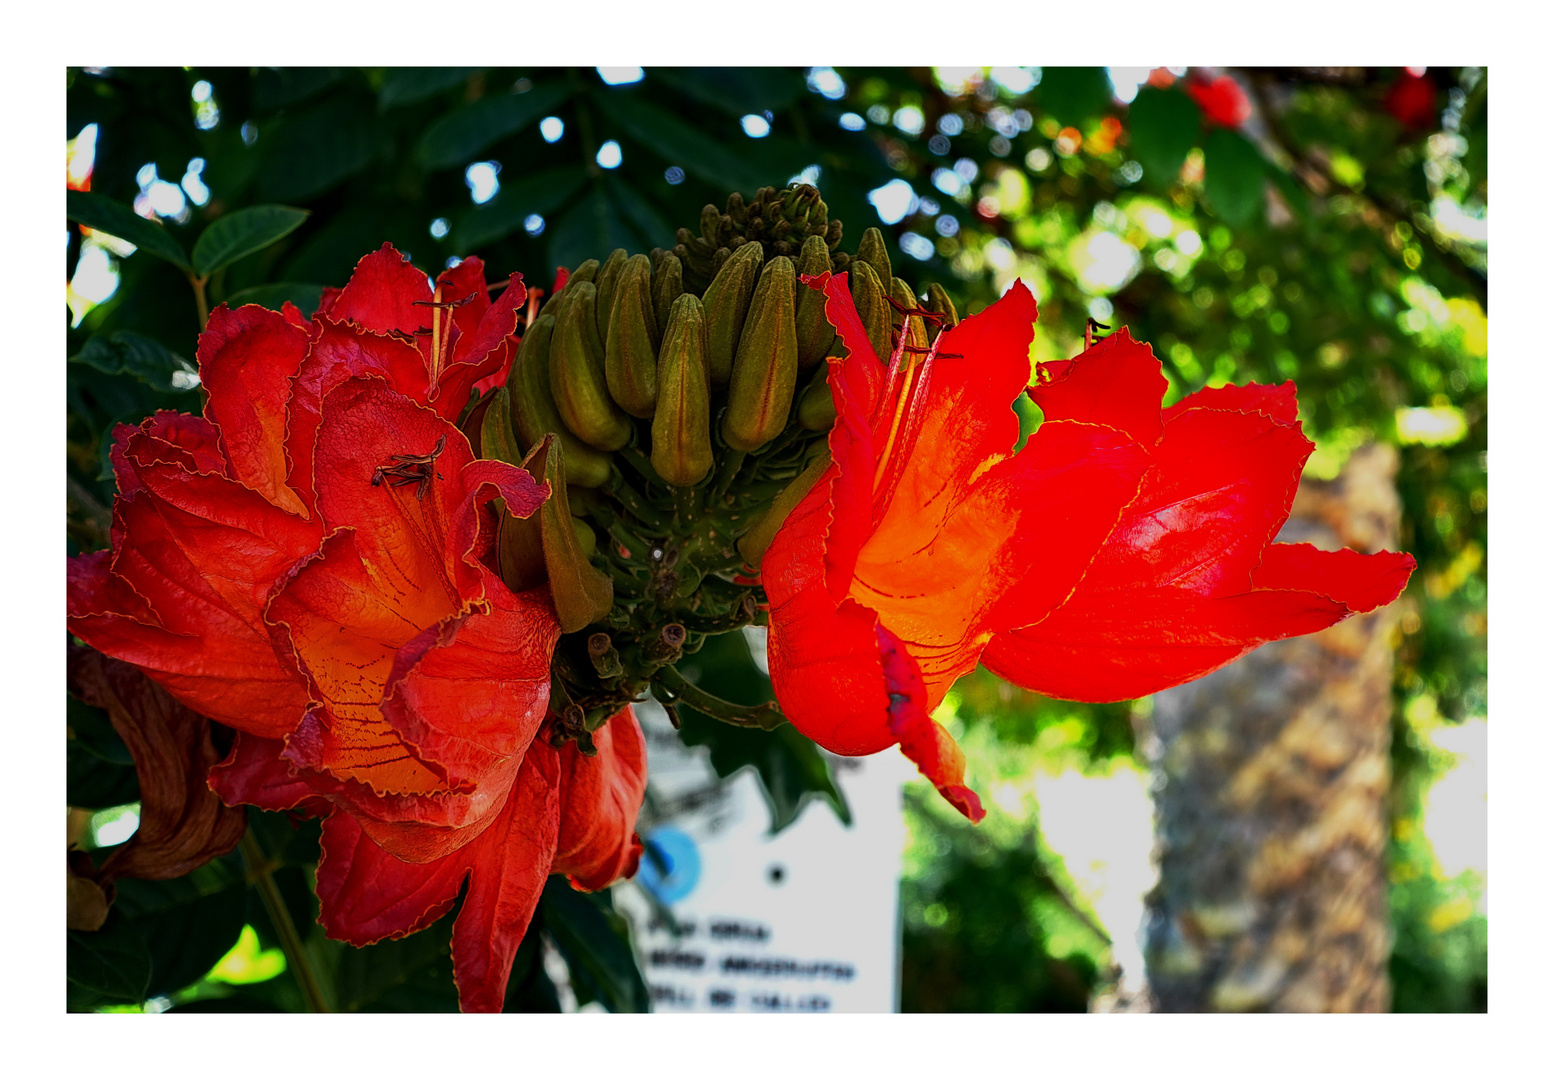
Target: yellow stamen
(436,359)
(907,366)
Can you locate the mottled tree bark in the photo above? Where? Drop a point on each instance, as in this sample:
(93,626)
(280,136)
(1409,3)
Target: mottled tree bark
(1271,781)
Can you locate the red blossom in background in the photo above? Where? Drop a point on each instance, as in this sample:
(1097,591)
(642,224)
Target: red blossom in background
(1222,100)
(309,563)
(1412,101)
(1122,550)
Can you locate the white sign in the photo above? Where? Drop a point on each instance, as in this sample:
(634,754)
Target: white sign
(804,921)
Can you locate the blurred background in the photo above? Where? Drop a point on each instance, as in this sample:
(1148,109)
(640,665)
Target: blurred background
(1326,225)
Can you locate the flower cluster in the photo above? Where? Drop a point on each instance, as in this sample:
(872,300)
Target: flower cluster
(309,563)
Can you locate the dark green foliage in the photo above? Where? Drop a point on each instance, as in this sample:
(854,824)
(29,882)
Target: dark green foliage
(105,966)
(1163,128)
(791,769)
(974,932)
(594,942)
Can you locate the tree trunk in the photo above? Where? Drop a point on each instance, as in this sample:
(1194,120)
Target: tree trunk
(1271,809)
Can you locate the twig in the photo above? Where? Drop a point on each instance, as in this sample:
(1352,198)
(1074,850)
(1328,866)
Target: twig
(1387,215)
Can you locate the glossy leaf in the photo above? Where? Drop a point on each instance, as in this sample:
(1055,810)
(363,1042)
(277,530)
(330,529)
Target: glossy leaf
(100,212)
(243,232)
(124,352)
(596,945)
(456,138)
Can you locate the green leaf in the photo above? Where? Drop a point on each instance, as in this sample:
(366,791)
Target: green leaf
(274,296)
(596,945)
(187,924)
(641,214)
(735,90)
(94,733)
(406,86)
(94,784)
(592,225)
(1162,127)
(681,143)
(790,768)
(99,212)
(306,153)
(277,88)
(110,964)
(529,988)
(1233,174)
(530,193)
(412,974)
(1075,95)
(125,352)
(455,139)
(243,232)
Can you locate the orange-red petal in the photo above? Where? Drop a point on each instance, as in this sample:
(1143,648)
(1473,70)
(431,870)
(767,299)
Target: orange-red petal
(600,799)
(247,358)
(366,895)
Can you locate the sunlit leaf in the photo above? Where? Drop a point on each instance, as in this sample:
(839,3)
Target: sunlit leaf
(1232,177)
(102,213)
(1162,127)
(456,138)
(243,232)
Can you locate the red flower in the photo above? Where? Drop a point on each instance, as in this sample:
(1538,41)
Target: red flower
(308,563)
(1121,551)
(1222,100)
(1412,101)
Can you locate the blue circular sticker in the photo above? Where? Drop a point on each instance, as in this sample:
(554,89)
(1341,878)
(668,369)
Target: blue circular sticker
(670,866)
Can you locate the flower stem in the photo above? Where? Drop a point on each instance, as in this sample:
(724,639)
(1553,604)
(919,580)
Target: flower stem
(680,691)
(201,305)
(259,868)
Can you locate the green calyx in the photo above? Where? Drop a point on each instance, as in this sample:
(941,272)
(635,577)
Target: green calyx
(660,396)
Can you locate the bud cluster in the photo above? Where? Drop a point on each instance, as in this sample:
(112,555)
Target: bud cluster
(678,405)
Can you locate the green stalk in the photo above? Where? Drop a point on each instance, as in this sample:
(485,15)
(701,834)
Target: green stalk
(259,868)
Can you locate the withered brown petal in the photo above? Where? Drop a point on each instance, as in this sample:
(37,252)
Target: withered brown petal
(183,824)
